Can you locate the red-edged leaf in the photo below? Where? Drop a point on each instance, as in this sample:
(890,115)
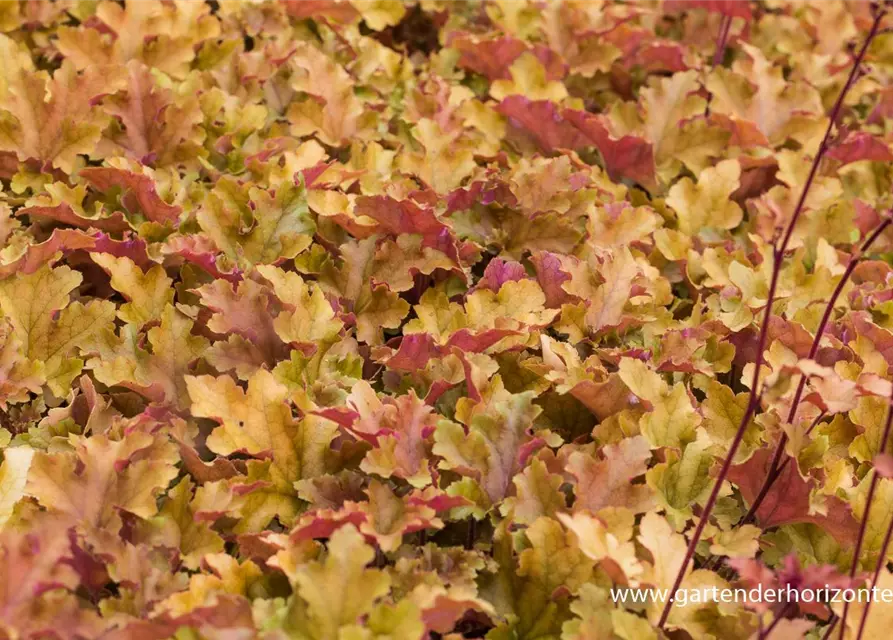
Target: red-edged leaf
(62,212)
(139,194)
(37,255)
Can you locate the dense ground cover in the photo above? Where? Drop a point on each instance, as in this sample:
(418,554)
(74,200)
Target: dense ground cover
(368,320)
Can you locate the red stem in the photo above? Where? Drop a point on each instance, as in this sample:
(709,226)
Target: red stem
(727,463)
(831,626)
(881,561)
(775,468)
(859,540)
(778,257)
(835,114)
(863,526)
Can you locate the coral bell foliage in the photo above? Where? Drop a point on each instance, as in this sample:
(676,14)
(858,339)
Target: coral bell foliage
(369,319)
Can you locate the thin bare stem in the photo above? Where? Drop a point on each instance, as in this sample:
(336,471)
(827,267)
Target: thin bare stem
(714,494)
(861,538)
(778,258)
(830,628)
(775,468)
(881,561)
(863,526)
(834,116)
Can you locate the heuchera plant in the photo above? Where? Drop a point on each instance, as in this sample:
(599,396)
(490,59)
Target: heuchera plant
(372,319)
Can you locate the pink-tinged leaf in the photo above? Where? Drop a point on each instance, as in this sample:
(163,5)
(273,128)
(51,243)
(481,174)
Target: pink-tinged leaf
(140,112)
(477,342)
(732,8)
(813,578)
(866,219)
(90,568)
(398,217)
(483,193)
(414,352)
(435,499)
(132,246)
(626,157)
(139,194)
(405,217)
(492,58)
(639,48)
(342,416)
(788,500)
(543,123)
(500,271)
(860,146)
(666,56)
(38,573)
(682,350)
(244,310)
(550,277)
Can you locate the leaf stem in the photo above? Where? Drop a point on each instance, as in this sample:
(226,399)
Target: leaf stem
(778,258)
